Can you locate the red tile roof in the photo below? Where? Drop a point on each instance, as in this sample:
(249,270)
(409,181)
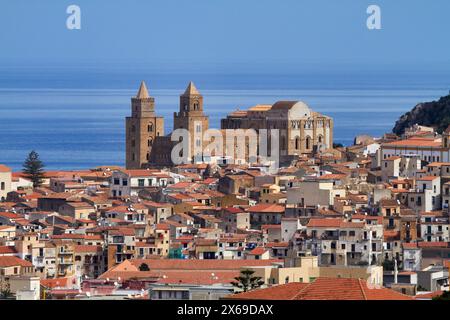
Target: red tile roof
(323,289)
(4,168)
(333,223)
(7,250)
(11,261)
(266,208)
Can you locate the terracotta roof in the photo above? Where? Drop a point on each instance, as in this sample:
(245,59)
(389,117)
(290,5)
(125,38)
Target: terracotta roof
(55,283)
(11,261)
(333,223)
(427,178)
(414,142)
(266,208)
(186,265)
(280,292)
(258,251)
(4,168)
(7,250)
(86,248)
(424,244)
(410,245)
(323,289)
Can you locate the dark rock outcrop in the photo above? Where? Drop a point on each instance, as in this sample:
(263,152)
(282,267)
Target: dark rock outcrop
(431,114)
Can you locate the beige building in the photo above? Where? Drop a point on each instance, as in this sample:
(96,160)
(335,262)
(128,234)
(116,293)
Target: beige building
(5,181)
(301,130)
(306,270)
(141,129)
(192,118)
(77,210)
(314,192)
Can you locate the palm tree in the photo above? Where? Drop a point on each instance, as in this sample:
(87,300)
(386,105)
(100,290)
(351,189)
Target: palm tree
(246,281)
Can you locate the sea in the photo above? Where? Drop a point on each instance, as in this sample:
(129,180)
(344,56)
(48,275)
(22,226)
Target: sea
(75,118)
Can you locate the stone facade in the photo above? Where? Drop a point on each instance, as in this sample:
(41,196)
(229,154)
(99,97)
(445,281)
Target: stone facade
(142,128)
(301,130)
(192,118)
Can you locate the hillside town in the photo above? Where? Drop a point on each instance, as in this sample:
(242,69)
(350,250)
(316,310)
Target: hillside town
(368,221)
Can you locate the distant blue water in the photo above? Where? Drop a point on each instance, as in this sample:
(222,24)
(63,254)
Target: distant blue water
(75,121)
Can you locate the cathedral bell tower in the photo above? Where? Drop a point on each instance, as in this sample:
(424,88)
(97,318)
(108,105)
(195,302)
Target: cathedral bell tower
(192,118)
(141,129)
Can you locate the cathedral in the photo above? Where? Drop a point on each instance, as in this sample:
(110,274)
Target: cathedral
(146,144)
(301,130)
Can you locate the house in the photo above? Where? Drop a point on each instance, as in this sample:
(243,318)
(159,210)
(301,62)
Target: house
(15,266)
(412,257)
(340,242)
(77,210)
(434,226)
(261,214)
(234,219)
(320,192)
(132,182)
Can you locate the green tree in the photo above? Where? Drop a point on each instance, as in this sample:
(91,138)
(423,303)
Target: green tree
(33,168)
(5,290)
(444,296)
(144,267)
(208,172)
(246,281)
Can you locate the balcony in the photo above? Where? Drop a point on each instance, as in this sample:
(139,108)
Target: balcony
(65,261)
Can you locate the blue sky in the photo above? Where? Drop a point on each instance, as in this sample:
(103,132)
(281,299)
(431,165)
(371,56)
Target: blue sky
(252,35)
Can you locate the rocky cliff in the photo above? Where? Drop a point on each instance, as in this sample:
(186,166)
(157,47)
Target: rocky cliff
(431,114)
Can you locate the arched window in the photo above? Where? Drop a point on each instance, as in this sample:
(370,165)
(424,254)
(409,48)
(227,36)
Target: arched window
(150,142)
(297,143)
(148,156)
(320,139)
(308,143)
(445,142)
(150,127)
(195,105)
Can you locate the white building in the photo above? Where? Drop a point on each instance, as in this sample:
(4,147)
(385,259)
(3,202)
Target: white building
(131,182)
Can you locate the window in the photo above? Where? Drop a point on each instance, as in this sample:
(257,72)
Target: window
(2,186)
(308,143)
(297,143)
(141,182)
(116,181)
(124,182)
(150,127)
